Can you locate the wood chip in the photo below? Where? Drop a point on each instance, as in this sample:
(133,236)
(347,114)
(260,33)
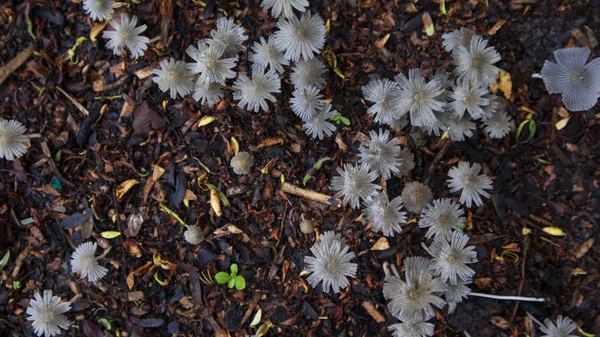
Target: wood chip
(377,316)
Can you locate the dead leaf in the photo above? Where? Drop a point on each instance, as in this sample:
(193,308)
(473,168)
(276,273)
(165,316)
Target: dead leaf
(132,248)
(270,142)
(125,187)
(497,26)
(584,248)
(500,322)
(503,84)
(146,119)
(381,244)
(483,283)
(215,202)
(381,42)
(97,29)
(189,195)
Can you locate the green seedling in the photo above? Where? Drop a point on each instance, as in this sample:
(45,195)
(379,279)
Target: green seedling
(316,167)
(339,118)
(232,279)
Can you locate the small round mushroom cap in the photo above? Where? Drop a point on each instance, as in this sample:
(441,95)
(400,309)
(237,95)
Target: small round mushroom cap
(193,235)
(241,163)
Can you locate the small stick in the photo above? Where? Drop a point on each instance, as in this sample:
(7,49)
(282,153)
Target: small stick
(311,195)
(509,298)
(74,101)
(15,63)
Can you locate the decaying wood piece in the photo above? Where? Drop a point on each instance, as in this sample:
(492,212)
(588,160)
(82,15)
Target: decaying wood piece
(311,195)
(15,63)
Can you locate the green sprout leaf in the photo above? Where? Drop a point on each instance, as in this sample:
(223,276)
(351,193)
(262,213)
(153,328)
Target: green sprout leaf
(234,270)
(240,283)
(306,179)
(320,163)
(231,282)
(106,323)
(222,277)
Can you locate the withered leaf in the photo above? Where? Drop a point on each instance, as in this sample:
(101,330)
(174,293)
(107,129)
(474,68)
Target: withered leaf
(146,119)
(148,322)
(91,330)
(75,219)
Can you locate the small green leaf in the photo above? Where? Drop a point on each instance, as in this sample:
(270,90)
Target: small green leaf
(234,269)
(306,179)
(224,199)
(240,283)
(320,163)
(162,283)
(521,126)
(443,7)
(222,277)
(106,323)
(532,129)
(110,234)
(231,283)
(346,121)
(282,179)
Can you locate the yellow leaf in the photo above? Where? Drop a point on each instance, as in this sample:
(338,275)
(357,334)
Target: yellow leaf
(125,186)
(130,280)
(110,234)
(97,29)
(157,172)
(205,120)
(256,318)
(505,84)
(235,144)
(228,229)
(562,123)
(270,142)
(526,231)
(189,195)
(215,202)
(381,244)
(554,231)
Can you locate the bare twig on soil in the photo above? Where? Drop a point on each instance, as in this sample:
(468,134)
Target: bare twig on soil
(311,195)
(15,63)
(55,170)
(74,101)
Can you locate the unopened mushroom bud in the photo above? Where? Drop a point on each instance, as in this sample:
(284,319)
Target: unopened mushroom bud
(306,226)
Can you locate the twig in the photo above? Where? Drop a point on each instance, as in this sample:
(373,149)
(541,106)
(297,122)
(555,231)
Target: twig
(57,173)
(514,313)
(19,261)
(508,298)
(74,101)
(124,259)
(437,159)
(311,195)
(15,63)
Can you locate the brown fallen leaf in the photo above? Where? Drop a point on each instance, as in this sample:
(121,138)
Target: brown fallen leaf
(125,187)
(146,119)
(583,249)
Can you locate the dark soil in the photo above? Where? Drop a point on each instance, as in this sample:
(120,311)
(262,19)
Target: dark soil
(548,180)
